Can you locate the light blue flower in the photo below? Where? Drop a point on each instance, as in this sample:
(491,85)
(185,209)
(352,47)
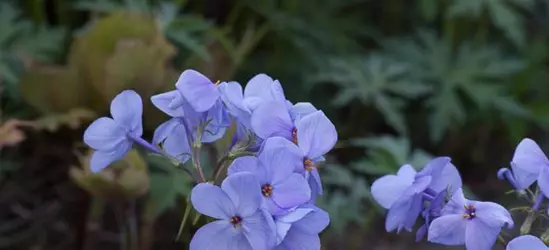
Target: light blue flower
(241,222)
(526,242)
(299,229)
(474,224)
(112,138)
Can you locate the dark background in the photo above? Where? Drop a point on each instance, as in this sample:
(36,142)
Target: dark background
(403,80)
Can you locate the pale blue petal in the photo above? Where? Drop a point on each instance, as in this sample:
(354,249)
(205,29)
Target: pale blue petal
(198,90)
(102,159)
(529,157)
(316,134)
(448,230)
(284,222)
(260,230)
(177,143)
(480,236)
(302,109)
(493,215)
(281,158)
(233,98)
(526,242)
(315,181)
(264,89)
(104,134)
(244,191)
(314,222)
(291,192)
(219,235)
(127,111)
(387,189)
(244,163)
(523,179)
(448,178)
(170,103)
(272,119)
(456,203)
(210,200)
(403,213)
(164,130)
(543,181)
(435,167)
(296,240)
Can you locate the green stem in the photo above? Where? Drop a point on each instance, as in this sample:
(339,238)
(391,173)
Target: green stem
(225,161)
(196,150)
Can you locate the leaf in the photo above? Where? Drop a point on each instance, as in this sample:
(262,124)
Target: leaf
(162,192)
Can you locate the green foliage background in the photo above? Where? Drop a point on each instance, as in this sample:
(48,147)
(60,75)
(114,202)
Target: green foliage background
(402,79)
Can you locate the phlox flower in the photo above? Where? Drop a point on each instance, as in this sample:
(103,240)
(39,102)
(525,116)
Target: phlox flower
(299,228)
(274,167)
(526,242)
(530,164)
(241,222)
(112,138)
(188,112)
(474,224)
(404,194)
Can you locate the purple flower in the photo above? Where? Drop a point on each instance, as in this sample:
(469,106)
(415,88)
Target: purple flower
(112,138)
(241,223)
(199,91)
(299,228)
(282,189)
(172,134)
(473,223)
(404,194)
(529,164)
(528,242)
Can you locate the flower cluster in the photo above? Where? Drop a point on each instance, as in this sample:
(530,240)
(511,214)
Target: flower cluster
(267,200)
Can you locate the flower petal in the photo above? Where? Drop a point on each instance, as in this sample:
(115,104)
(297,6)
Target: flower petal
(435,167)
(210,200)
(529,157)
(449,177)
(456,203)
(104,134)
(302,109)
(523,179)
(265,89)
(280,157)
(163,130)
(244,163)
(315,182)
(219,235)
(543,181)
(296,240)
(316,134)
(244,191)
(387,189)
(403,213)
(102,159)
(260,230)
(170,103)
(493,215)
(291,192)
(314,222)
(233,98)
(526,242)
(127,111)
(272,119)
(177,143)
(448,230)
(480,236)
(198,90)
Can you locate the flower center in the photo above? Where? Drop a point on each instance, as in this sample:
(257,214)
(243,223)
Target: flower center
(294,135)
(308,164)
(267,190)
(236,221)
(470,212)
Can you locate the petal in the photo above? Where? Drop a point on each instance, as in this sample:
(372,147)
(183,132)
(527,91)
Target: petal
(127,111)
(244,191)
(198,90)
(403,213)
(210,200)
(296,240)
(170,103)
(280,157)
(314,222)
(315,182)
(244,163)
(264,89)
(456,203)
(493,215)
(448,230)
(523,179)
(294,215)
(316,134)
(272,119)
(543,181)
(177,143)
(104,134)
(526,242)
(226,238)
(102,159)
(164,130)
(387,189)
(259,229)
(302,109)
(292,192)
(480,236)
(529,157)
(407,172)
(435,167)
(448,178)
(233,98)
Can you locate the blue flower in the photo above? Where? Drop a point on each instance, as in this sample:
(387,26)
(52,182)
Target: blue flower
(299,228)
(529,164)
(112,138)
(405,193)
(473,223)
(282,189)
(528,242)
(172,134)
(241,223)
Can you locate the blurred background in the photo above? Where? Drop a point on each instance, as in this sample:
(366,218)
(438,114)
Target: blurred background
(403,80)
